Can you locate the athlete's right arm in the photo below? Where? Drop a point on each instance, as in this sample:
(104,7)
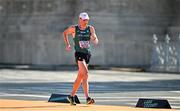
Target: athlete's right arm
(69,30)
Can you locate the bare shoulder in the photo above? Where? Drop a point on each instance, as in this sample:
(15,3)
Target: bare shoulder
(70,29)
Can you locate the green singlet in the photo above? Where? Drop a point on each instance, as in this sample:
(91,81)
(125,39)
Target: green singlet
(82,39)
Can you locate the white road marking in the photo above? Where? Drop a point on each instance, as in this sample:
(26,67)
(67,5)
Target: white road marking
(113,98)
(25,95)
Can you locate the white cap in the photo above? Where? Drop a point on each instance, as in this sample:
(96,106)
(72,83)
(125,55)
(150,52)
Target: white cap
(84,16)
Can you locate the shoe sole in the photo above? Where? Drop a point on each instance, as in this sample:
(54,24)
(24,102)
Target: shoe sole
(70,102)
(91,102)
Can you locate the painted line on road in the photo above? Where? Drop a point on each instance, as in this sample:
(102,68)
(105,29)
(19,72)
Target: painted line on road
(175,91)
(166,97)
(25,95)
(107,97)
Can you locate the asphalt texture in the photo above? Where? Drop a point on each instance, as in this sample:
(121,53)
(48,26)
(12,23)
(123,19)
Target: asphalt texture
(107,87)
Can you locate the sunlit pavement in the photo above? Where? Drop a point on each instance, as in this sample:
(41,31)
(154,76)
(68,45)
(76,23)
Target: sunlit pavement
(106,87)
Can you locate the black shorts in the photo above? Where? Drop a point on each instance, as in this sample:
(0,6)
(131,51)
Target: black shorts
(79,56)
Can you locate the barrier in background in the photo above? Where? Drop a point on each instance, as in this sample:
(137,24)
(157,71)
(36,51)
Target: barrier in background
(166,54)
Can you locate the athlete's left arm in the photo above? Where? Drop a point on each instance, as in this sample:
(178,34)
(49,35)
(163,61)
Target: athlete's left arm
(94,38)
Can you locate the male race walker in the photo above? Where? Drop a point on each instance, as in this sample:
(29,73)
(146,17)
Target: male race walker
(82,34)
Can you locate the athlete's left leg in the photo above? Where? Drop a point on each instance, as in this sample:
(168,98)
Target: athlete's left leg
(85,82)
(83,71)
(85,85)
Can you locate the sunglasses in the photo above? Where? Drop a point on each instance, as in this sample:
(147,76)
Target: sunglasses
(84,19)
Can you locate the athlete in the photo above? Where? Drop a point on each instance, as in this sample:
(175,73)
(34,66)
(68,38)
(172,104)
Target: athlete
(82,34)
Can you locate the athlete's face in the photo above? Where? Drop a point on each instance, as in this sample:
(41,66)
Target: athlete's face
(83,22)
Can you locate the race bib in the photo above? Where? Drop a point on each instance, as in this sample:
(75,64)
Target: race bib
(84,44)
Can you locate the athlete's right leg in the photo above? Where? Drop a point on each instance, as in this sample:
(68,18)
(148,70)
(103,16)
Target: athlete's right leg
(84,70)
(81,74)
(77,84)
(85,84)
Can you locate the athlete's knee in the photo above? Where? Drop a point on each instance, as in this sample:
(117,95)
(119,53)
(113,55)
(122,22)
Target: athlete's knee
(83,71)
(80,74)
(85,77)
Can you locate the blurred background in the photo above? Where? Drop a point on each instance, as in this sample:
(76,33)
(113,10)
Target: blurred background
(132,33)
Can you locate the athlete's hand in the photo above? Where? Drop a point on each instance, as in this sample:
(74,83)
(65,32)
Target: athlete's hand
(68,48)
